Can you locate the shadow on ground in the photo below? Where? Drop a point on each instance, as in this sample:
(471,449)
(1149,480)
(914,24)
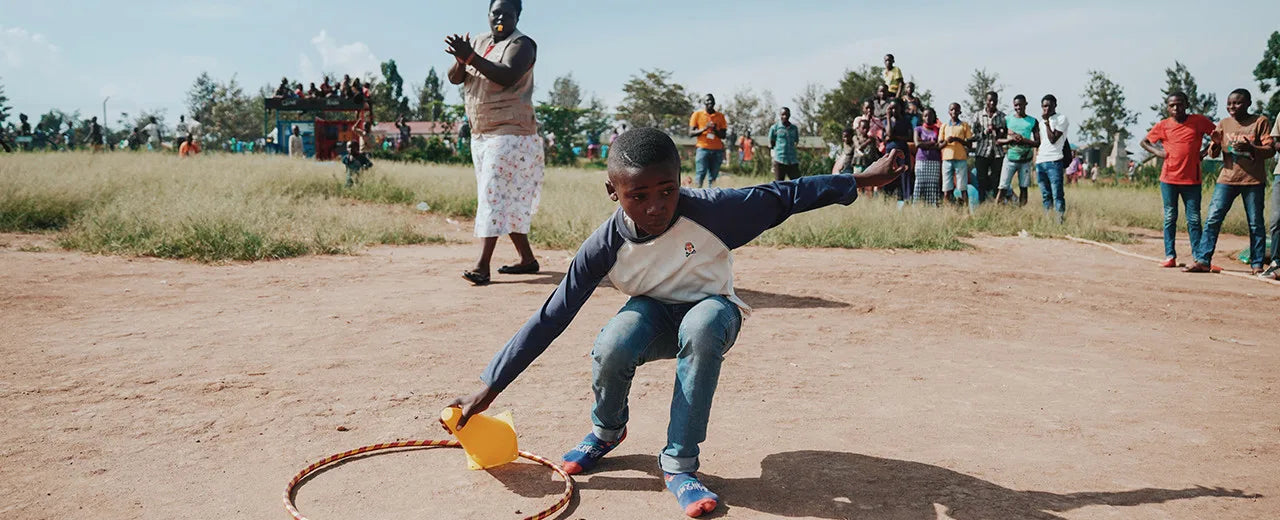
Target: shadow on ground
(768,300)
(836,485)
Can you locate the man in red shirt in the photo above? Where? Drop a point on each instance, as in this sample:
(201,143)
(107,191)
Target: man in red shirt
(1181,134)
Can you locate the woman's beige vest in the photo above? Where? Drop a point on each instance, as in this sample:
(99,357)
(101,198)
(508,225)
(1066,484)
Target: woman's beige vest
(493,108)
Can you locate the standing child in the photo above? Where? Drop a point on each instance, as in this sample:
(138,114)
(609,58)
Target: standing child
(1245,140)
(670,249)
(898,133)
(1273,228)
(1049,167)
(955,135)
(1022,139)
(1182,134)
(928,160)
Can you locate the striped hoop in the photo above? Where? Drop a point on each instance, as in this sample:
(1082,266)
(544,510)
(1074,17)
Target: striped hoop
(291,488)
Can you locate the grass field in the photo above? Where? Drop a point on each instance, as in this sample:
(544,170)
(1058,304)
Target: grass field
(235,207)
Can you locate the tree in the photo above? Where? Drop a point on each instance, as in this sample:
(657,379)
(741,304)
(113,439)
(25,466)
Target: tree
(842,104)
(4,105)
(652,99)
(1268,75)
(1109,117)
(806,105)
(564,124)
(389,101)
(225,110)
(431,98)
(596,119)
(747,110)
(200,97)
(565,92)
(1178,79)
(980,83)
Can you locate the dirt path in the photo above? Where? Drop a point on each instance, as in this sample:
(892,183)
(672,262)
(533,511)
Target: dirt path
(1023,379)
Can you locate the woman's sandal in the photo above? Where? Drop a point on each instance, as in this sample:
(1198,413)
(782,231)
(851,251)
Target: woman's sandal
(529,268)
(476,278)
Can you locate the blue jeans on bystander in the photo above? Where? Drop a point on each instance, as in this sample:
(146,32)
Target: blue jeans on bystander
(1049,174)
(1224,195)
(707,166)
(696,335)
(1191,194)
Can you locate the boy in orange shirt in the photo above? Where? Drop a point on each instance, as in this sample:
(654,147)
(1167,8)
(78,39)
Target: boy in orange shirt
(710,127)
(1182,135)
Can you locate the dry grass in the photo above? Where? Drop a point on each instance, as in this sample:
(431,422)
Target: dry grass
(228,207)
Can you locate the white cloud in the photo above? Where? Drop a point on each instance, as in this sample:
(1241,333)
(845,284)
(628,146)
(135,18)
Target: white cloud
(19,47)
(353,58)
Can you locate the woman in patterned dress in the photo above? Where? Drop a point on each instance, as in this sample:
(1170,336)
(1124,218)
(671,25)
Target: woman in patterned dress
(496,72)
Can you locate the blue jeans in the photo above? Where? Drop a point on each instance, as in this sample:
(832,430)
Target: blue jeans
(1190,194)
(1049,174)
(1224,195)
(696,335)
(707,165)
(1274,226)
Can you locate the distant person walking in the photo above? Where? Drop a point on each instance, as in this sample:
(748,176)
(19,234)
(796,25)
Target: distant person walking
(153,135)
(1049,167)
(784,137)
(1181,135)
(989,127)
(709,126)
(496,75)
(1245,142)
(95,134)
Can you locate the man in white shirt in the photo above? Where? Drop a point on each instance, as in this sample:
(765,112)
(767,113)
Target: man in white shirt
(153,134)
(1050,156)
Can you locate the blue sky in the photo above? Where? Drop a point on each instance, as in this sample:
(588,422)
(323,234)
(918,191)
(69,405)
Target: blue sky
(145,54)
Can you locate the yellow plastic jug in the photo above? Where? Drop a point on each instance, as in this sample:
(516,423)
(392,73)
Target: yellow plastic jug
(488,441)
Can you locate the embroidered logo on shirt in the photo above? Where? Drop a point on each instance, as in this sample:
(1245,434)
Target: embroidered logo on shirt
(689,250)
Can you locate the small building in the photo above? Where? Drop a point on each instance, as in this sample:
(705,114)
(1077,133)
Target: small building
(423,129)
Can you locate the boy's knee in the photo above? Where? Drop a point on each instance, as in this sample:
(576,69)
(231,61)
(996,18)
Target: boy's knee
(622,341)
(709,328)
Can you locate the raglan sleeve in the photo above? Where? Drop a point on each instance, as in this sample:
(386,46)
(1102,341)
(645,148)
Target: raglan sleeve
(740,215)
(589,266)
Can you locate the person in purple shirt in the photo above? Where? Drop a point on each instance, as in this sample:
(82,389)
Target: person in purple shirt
(670,249)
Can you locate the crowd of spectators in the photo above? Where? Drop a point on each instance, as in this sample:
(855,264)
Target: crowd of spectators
(349,88)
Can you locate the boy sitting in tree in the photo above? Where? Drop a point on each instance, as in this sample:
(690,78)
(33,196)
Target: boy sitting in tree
(669,248)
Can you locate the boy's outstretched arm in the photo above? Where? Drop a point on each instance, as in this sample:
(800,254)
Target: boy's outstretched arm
(590,265)
(738,216)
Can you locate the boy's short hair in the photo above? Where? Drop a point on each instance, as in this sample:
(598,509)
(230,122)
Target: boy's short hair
(1050,98)
(641,148)
(1180,95)
(1020,96)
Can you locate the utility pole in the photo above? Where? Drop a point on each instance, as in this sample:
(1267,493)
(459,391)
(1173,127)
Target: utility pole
(104,118)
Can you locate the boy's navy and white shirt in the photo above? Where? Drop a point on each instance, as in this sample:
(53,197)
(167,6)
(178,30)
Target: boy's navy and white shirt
(689,262)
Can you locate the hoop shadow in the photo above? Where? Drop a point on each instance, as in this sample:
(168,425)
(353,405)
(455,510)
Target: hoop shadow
(836,485)
(768,300)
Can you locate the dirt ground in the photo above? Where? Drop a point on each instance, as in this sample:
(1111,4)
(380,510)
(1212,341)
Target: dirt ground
(1024,378)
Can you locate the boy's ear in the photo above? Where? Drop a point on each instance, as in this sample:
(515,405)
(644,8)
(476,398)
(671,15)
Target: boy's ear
(608,187)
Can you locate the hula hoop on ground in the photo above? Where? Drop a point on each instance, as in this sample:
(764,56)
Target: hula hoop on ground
(546,513)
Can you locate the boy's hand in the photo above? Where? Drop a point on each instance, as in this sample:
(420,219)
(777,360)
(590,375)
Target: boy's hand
(883,171)
(474,404)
